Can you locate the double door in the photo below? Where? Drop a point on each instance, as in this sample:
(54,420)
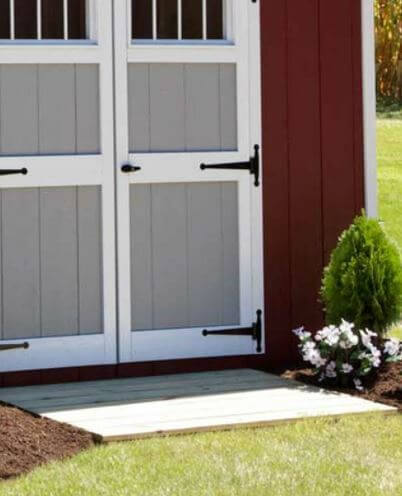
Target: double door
(118,244)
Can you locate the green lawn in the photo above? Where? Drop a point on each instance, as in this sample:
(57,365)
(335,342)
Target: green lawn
(389,154)
(352,456)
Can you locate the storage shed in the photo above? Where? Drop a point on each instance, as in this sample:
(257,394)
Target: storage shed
(173,177)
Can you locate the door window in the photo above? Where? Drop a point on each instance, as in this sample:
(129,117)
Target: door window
(43,19)
(179,20)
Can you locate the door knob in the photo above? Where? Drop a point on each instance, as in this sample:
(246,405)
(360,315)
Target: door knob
(127,168)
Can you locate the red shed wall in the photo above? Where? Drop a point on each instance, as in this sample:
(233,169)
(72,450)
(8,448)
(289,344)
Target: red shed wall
(313,153)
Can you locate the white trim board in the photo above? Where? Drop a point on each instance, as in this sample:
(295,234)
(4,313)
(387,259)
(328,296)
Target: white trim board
(369,108)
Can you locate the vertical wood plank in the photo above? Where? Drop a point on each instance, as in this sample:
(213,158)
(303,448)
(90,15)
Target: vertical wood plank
(139,107)
(230,250)
(57,109)
(59,264)
(89,216)
(358,105)
(19,109)
(20,263)
(87,108)
(276,179)
(228,107)
(141,257)
(167,107)
(205,257)
(337,120)
(202,90)
(304,161)
(170,257)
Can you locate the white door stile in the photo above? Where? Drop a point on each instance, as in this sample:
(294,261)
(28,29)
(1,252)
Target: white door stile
(73,170)
(121,42)
(104,18)
(257,248)
(184,167)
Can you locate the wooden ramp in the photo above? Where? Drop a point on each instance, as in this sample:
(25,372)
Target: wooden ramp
(134,408)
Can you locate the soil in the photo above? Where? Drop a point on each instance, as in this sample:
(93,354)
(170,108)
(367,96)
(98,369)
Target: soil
(385,387)
(27,441)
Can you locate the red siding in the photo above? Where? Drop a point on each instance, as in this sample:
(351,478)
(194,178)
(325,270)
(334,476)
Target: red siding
(276,178)
(55,376)
(312,145)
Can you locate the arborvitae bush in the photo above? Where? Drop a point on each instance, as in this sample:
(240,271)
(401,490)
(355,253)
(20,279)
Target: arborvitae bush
(363,281)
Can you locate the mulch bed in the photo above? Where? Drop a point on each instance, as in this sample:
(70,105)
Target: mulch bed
(27,441)
(386,387)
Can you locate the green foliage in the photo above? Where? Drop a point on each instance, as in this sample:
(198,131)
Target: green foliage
(388,18)
(363,282)
(389,109)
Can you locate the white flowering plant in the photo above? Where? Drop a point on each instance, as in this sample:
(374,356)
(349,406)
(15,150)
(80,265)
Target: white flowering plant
(345,355)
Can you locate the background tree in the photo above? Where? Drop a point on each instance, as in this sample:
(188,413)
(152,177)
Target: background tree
(388,17)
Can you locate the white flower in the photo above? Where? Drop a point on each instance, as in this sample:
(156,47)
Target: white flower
(392,347)
(366,337)
(346,327)
(330,370)
(346,368)
(358,384)
(301,333)
(374,356)
(348,338)
(312,355)
(330,335)
(308,345)
(333,338)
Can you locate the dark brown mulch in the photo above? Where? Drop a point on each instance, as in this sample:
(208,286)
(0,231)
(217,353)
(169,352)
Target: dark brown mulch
(27,441)
(386,387)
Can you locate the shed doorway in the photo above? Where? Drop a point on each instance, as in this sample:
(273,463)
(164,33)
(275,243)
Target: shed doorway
(117,244)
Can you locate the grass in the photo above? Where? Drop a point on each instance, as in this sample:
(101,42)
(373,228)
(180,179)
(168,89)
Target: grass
(389,155)
(351,456)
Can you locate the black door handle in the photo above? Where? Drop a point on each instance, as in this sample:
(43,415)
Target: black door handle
(9,172)
(127,168)
(5,347)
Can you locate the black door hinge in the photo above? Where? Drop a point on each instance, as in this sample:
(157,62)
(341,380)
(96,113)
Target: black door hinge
(253,165)
(255,331)
(5,347)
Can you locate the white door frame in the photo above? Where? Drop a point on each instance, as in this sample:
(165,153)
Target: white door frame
(73,170)
(184,167)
